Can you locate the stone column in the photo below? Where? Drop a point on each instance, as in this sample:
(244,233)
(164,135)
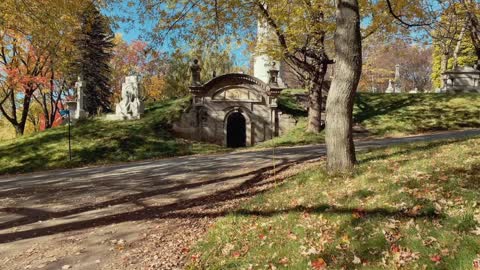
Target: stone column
(398,86)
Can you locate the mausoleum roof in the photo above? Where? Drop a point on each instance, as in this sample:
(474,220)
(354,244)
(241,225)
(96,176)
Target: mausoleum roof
(465,69)
(235,79)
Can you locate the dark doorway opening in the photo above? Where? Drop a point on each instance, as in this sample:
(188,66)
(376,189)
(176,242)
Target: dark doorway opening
(236,130)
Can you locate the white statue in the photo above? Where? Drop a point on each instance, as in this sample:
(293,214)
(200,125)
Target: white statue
(390,88)
(131,106)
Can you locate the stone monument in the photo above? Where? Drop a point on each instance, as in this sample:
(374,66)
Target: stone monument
(262,63)
(414,91)
(196,71)
(131,106)
(398,84)
(390,89)
(234,110)
(78,110)
(461,80)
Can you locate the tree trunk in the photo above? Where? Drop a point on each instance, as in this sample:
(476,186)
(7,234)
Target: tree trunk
(473,24)
(315,109)
(315,105)
(444,65)
(20,129)
(457,47)
(348,68)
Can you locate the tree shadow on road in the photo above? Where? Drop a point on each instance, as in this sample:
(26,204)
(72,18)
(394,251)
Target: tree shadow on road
(31,215)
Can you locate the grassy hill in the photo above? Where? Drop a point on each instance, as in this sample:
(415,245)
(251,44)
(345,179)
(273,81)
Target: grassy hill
(102,142)
(389,115)
(405,207)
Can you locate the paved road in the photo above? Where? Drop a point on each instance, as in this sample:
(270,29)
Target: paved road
(54,202)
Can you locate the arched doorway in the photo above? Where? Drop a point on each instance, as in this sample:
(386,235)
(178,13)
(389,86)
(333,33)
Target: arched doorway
(236,130)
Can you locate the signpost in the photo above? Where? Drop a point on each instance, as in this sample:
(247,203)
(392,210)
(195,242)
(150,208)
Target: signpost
(66,113)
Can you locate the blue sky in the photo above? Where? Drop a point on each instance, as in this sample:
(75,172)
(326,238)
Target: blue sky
(136,31)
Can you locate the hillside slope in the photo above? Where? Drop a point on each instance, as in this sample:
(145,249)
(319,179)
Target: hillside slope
(102,142)
(405,207)
(388,115)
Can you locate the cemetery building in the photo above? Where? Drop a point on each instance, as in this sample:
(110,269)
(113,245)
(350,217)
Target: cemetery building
(234,110)
(237,110)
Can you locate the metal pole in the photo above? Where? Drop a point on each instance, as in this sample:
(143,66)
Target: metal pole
(69,137)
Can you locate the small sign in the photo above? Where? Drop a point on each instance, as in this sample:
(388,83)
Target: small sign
(64,112)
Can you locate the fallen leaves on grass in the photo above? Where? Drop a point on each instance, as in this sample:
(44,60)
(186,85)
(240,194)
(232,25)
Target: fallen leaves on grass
(319,264)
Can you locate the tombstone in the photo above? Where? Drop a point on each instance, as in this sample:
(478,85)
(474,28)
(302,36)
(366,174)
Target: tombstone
(414,91)
(461,80)
(79,111)
(131,106)
(390,89)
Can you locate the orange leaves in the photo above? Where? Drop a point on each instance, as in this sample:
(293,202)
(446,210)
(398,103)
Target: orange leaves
(17,78)
(318,264)
(436,258)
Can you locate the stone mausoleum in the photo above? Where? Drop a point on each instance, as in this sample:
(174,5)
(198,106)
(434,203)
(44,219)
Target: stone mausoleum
(237,110)
(234,110)
(462,79)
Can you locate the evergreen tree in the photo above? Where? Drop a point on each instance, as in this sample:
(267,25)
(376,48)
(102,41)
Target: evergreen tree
(94,46)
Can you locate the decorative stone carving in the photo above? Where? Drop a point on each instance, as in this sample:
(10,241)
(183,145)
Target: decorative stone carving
(131,106)
(196,69)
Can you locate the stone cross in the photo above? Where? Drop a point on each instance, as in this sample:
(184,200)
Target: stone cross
(79,87)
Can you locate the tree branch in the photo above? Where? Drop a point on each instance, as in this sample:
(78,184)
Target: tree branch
(398,18)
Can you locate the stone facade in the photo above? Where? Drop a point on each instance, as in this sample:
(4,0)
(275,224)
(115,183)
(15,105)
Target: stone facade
(233,110)
(465,79)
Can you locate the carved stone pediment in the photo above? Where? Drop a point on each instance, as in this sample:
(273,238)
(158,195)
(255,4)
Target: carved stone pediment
(237,94)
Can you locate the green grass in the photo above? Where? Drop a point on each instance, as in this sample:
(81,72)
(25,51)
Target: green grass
(389,115)
(402,114)
(98,142)
(405,207)
(297,136)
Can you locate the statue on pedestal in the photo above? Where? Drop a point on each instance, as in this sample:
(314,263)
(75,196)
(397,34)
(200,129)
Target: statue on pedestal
(196,69)
(131,106)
